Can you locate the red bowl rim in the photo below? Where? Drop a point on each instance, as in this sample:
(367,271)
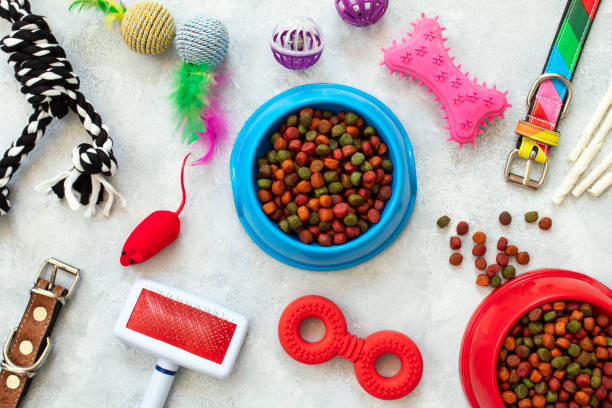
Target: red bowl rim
(543,279)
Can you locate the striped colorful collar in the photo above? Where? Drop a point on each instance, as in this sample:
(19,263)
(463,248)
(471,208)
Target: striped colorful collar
(551,94)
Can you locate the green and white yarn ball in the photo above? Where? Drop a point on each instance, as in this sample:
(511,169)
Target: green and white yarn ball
(202,40)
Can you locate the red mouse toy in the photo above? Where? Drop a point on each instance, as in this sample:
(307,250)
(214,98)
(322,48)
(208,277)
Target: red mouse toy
(154,233)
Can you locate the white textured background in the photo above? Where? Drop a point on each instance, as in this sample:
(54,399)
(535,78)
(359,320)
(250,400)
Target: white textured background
(409,287)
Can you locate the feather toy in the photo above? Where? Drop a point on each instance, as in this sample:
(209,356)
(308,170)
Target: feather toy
(113,11)
(202,44)
(197,101)
(192,86)
(216,129)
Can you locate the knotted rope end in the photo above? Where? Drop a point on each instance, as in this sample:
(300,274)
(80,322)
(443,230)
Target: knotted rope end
(88,190)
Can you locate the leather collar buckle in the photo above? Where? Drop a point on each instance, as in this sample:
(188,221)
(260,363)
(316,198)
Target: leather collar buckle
(55,265)
(27,371)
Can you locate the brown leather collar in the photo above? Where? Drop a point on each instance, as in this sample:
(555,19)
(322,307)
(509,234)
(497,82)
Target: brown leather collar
(28,345)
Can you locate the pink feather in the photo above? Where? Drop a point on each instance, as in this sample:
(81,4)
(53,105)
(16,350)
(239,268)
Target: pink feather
(216,124)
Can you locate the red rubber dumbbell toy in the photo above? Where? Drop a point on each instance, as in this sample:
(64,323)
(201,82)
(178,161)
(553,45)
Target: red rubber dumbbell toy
(339,342)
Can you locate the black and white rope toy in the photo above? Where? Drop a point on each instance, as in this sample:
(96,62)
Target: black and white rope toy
(52,89)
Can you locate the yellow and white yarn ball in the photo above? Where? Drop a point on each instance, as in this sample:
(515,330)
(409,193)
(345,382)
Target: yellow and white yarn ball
(148,27)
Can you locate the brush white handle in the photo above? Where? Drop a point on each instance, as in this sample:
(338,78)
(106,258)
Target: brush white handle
(160,384)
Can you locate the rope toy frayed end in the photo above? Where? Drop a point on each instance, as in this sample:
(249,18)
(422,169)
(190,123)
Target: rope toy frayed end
(50,86)
(68,184)
(87,180)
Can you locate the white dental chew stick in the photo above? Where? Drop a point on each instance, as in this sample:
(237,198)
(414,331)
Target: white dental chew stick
(181,330)
(583,162)
(604,105)
(601,185)
(593,176)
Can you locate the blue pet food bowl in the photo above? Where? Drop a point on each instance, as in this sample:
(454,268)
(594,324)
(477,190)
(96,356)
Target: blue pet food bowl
(252,142)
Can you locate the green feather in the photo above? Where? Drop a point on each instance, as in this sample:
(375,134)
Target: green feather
(192,83)
(112,9)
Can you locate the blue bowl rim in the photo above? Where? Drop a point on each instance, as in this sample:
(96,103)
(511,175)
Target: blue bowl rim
(246,135)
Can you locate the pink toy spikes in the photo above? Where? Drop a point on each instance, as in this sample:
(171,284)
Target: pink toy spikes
(424,56)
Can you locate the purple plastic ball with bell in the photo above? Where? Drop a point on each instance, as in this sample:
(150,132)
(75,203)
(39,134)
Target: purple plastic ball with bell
(361,13)
(297,44)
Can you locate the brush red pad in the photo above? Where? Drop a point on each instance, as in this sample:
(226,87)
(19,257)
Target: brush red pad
(182,326)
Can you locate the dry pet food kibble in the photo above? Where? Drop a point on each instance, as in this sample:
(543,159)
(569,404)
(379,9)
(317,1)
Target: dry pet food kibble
(492,270)
(483,280)
(327,178)
(511,250)
(455,259)
(462,228)
(479,250)
(455,243)
(443,221)
(502,261)
(558,355)
(545,223)
(480,263)
(495,282)
(502,244)
(479,237)
(522,258)
(505,218)
(531,216)
(508,272)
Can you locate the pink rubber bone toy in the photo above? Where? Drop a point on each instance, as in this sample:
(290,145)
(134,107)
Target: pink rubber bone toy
(467,104)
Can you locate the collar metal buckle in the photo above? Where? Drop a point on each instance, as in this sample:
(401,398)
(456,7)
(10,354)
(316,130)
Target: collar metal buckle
(526,180)
(28,371)
(54,264)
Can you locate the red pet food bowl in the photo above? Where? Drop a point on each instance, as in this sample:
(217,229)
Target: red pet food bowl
(498,312)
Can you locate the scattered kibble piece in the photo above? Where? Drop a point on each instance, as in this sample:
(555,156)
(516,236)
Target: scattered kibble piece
(326,178)
(495,281)
(455,243)
(512,250)
(501,259)
(479,237)
(508,272)
(455,259)
(545,223)
(462,228)
(531,216)
(479,250)
(483,280)
(502,244)
(522,258)
(443,221)
(492,270)
(541,366)
(505,218)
